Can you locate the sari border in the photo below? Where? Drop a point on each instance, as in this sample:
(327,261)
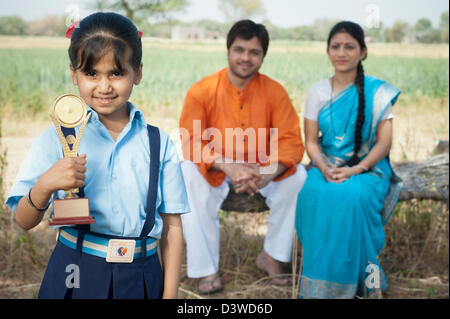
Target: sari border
(335,98)
(322,289)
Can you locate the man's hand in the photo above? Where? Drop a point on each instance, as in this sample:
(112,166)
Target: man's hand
(253,185)
(243,175)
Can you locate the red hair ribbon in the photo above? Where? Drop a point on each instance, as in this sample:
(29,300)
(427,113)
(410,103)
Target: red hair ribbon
(71,28)
(74,25)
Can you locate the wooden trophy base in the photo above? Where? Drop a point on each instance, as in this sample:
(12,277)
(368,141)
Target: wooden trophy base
(74,211)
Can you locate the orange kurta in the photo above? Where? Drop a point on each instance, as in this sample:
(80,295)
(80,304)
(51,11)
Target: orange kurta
(220,120)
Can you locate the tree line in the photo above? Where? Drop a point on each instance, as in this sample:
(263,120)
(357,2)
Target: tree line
(154,18)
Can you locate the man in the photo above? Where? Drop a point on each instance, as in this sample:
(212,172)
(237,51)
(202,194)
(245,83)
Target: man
(228,123)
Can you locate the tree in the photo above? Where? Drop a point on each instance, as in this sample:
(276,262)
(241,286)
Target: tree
(12,26)
(397,33)
(422,25)
(302,33)
(375,34)
(421,29)
(431,36)
(141,10)
(322,28)
(234,10)
(443,26)
(444,20)
(50,25)
(425,33)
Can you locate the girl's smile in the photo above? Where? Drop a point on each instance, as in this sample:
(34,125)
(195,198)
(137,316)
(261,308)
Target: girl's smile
(105,100)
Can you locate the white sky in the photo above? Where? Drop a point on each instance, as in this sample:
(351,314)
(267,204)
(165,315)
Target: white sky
(285,13)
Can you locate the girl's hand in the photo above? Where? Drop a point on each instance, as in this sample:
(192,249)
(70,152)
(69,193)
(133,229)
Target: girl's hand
(66,173)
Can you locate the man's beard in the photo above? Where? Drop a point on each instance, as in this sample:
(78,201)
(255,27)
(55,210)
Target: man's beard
(243,76)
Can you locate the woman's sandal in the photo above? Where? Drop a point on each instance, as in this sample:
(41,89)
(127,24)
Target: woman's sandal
(210,282)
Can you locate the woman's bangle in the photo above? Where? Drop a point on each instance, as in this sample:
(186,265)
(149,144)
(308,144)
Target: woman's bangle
(34,206)
(313,160)
(364,168)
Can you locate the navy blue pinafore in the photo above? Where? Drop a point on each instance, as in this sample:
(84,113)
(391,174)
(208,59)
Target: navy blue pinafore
(73,273)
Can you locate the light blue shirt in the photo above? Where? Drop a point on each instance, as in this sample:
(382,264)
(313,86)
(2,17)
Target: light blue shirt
(117,175)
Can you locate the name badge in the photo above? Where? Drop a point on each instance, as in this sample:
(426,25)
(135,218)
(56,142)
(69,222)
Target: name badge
(120,251)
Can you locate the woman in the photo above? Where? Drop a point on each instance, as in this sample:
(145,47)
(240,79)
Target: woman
(351,190)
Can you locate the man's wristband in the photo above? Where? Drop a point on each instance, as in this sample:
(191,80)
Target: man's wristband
(34,206)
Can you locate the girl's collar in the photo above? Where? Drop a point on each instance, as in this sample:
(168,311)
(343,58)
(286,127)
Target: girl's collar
(134,112)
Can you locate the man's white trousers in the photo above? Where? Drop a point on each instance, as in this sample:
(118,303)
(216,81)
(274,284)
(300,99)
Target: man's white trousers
(201,226)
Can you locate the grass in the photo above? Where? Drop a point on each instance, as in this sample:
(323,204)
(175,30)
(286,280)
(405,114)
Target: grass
(33,77)
(34,71)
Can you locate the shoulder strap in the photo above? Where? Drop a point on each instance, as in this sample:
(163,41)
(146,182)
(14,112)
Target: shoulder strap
(155,145)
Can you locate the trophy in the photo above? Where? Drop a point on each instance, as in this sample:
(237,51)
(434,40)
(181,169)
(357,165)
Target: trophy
(68,112)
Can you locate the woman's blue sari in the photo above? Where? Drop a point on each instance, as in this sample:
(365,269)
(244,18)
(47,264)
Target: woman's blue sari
(341,225)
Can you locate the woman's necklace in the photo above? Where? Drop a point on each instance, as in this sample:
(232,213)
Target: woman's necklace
(340,138)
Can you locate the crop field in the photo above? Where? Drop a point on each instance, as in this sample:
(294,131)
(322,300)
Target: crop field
(35,71)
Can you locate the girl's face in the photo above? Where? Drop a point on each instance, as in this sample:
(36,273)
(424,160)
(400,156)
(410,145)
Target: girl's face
(345,52)
(105,88)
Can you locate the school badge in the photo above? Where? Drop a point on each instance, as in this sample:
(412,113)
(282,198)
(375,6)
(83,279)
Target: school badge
(120,251)
(70,111)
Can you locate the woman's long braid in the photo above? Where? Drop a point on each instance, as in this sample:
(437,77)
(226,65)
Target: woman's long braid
(359,82)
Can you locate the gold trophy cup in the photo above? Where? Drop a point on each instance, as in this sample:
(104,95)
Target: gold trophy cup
(70,111)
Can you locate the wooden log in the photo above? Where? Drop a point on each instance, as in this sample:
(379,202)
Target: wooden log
(442,147)
(244,203)
(427,179)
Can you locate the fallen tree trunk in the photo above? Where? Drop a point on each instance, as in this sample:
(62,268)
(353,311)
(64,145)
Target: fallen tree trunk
(427,179)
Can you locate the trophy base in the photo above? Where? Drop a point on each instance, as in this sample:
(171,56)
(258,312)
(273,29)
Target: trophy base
(71,221)
(71,212)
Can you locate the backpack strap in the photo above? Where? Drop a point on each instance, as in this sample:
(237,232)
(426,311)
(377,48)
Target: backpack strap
(155,146)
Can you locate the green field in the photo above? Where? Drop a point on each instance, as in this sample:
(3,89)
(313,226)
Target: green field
(31,78)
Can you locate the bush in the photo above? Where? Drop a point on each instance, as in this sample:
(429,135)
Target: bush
(12,26)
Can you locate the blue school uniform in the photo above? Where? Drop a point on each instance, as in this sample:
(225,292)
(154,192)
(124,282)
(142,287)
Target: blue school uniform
(124,201)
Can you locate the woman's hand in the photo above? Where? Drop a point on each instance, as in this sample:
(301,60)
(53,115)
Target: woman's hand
(341,174)
(326,172)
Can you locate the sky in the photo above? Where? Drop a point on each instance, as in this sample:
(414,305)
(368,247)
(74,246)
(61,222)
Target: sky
(284,13)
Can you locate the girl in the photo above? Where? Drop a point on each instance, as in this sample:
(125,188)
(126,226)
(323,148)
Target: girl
(352,190)
(113,171)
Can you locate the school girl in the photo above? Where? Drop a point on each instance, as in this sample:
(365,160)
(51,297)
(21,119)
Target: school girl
(129,170)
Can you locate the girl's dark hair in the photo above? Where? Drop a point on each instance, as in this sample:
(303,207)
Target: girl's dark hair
(101,32)
(357,33)
(247,29)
